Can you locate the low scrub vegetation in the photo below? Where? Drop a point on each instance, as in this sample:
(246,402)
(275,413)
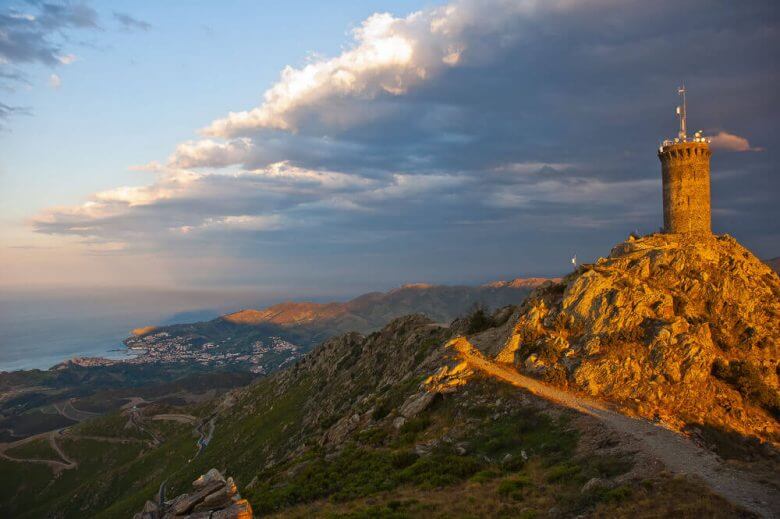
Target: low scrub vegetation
(745,377)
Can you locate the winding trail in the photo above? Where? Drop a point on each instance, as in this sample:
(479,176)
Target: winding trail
(68,411)
(57,466)
(70,464)
(177,417)
(675,451)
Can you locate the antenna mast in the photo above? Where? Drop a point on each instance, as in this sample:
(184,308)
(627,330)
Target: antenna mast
(682,113)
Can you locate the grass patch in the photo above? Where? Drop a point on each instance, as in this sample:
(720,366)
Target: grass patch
(562,472)
(513,487)
(39,449)
(528,432)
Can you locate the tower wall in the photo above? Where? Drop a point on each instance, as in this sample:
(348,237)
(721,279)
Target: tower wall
(686,185)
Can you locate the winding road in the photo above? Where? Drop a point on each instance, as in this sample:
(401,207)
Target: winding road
(57,466)
(679,454)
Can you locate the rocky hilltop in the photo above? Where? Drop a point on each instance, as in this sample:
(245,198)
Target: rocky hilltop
(676,328)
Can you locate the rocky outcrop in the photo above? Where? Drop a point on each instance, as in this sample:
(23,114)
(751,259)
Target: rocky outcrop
(680,328)
(214,497)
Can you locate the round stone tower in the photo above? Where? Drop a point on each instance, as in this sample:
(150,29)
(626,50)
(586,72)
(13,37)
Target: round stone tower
(685,165)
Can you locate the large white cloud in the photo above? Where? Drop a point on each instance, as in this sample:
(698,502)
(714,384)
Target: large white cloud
(389,56)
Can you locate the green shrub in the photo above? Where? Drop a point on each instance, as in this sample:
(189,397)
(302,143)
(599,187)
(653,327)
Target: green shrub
(562,472)
(373,437)
(440,469)
(483,476)
(513,487)
(617,494)
(478,320)
(745,377)
(402,459)
(416,425)
(527,431)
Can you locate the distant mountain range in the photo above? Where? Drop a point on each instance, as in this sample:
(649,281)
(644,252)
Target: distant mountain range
(266,339)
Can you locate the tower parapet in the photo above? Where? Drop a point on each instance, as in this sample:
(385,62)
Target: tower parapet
(685,166)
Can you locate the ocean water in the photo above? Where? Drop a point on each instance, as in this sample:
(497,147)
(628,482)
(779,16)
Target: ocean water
(40,328)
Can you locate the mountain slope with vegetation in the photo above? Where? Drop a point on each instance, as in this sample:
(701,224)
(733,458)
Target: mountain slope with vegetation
(398,423)
(387,425)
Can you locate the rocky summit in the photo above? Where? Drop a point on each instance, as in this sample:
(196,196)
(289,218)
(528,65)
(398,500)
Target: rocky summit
(684,329)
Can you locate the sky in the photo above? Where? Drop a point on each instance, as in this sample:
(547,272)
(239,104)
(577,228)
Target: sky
(358,145)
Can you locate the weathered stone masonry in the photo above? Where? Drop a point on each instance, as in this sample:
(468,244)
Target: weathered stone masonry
(686,186)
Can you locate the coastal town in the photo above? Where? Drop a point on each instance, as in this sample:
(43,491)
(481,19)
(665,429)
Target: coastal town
(260,357)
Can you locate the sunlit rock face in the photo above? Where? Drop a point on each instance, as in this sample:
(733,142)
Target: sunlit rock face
(678,327)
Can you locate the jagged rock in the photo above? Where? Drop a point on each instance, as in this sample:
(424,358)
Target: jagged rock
(214,497)
(208,477)
(187,504)
(415,404)
(399,422)
(425,448)
(594,485)
(339,432)
(646,326)
(241,509)
(218,499)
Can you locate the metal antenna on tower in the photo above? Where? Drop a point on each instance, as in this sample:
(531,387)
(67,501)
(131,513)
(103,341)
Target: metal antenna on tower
(682,113)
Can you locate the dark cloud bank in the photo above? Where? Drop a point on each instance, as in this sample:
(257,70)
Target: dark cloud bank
(505,141)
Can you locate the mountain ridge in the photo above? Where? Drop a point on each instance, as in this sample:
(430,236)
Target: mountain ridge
(293,313)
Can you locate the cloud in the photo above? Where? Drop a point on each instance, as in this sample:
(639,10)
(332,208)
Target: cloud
(186,201)
(29,37)
(209,153)
(55,81)
(245,222)
(729,142)
(129,23)
(519,128)
(8,111)
(67,59)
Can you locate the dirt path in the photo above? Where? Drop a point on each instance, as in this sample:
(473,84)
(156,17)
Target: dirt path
(69,463)
(56,465)
(675,451)
(181,418)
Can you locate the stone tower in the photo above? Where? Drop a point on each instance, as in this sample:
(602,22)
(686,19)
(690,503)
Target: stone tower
(685,166)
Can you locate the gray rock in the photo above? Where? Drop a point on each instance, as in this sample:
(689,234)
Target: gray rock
(239,509)
(188,503)
(208,477)
(595,484)
(416,404)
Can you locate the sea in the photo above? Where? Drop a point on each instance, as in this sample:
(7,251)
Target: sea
(41,328)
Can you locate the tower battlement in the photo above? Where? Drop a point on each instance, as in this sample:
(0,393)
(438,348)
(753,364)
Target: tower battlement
(685,168)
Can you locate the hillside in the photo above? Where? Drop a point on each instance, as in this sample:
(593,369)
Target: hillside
(384,425)
(528,411)
(266,339)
